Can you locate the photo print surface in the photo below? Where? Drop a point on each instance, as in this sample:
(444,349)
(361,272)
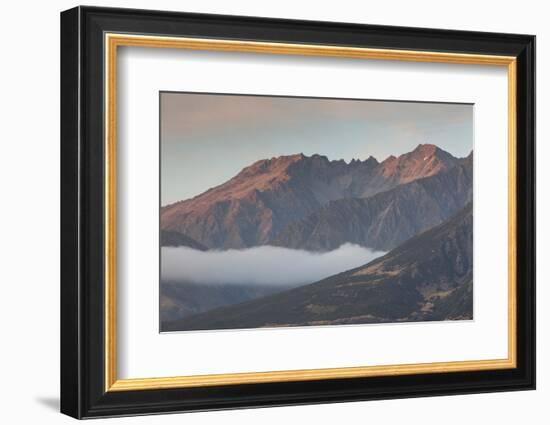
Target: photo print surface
(289,211)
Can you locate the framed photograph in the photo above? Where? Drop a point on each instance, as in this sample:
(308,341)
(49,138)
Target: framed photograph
(261,212)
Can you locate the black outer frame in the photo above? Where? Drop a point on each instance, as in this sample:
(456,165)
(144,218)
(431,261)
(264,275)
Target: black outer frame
(82,219)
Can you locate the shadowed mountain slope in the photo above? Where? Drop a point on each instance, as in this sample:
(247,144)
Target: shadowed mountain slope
(179,299)
(385,220)
(172,238)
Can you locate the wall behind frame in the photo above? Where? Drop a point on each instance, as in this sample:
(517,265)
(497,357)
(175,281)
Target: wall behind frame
(29,219)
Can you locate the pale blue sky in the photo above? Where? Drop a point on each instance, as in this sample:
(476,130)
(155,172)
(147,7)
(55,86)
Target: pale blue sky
(208,138)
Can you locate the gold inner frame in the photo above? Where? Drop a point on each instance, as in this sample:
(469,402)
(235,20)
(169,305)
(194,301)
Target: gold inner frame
(113,41)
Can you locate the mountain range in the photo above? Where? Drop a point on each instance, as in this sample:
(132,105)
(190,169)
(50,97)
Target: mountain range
(268,201)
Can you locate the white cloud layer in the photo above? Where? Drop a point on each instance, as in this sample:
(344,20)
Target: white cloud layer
(265,265)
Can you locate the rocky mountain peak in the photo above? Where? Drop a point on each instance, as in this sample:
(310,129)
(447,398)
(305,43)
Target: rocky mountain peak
(425,160)
(272,164)
(426,149)
(371,160)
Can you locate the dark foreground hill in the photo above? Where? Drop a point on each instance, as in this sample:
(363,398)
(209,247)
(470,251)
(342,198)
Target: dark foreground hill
(179,299)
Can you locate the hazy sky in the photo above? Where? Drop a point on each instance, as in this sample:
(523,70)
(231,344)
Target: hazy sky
(207,139)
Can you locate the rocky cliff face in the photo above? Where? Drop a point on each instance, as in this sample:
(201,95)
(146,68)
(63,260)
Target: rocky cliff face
(253,207)
(384,220)
(429,277)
